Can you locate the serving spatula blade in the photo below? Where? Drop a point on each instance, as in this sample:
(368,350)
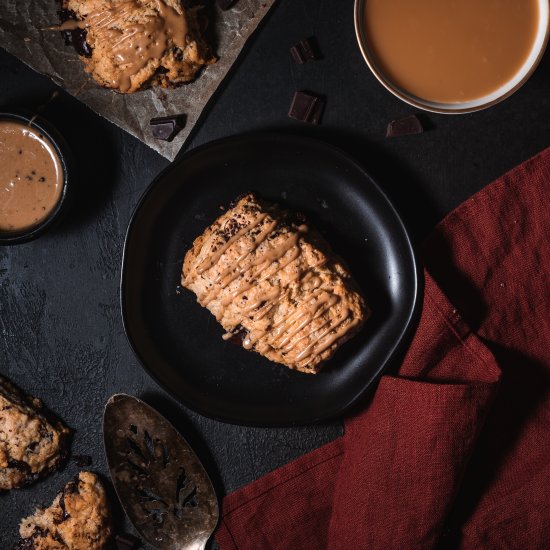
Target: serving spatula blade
(160,482)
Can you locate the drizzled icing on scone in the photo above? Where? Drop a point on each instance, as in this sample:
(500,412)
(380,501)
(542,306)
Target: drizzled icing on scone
(140,42)
(292,307)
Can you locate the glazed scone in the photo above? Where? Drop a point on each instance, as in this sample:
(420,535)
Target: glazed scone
(32,442)
(78,519)
(275,282)
(135,43)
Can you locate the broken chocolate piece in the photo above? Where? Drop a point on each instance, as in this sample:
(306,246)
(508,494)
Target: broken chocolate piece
(126,542)
(404,127)
(225,4)
(305,51)
(306,107)
(167,127)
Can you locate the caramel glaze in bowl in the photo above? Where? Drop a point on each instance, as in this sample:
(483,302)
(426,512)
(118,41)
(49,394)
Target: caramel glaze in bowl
(64,161)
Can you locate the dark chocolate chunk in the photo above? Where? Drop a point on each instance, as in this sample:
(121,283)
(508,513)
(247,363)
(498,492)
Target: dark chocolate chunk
(178,53)
(65,516)
(225,4)
(238,335)
(126,542)
(75,37)
(80,43)
(24,544)
(66,15)
(404,127)
(306,107)
(72,487)
(167,127)
(20,466)
(305,51)
(82,461)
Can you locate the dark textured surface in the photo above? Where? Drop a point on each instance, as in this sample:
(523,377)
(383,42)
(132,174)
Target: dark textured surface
(61,336)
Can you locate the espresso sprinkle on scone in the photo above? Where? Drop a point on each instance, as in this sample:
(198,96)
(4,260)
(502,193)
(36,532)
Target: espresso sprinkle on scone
(274,283)
(131,44)
(32,442)
(78,519)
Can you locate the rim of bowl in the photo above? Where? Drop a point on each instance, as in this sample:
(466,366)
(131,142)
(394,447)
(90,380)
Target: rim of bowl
(505,91)
(65,157)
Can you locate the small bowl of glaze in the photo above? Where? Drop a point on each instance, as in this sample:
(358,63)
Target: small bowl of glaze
(452,57)
(35,168)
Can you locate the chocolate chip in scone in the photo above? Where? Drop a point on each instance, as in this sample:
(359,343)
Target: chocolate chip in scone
(74,37)
(24,544)
(234,202)
(20,465)
(238,335)
(65,515)
(178,53)
(79,42)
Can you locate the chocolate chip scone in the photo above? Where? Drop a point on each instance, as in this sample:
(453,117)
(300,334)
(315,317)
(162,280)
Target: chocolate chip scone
(32,442)
(272,280)
(78,519)
(130,44)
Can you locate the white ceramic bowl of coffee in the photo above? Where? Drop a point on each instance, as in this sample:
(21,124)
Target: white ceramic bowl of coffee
(530,33)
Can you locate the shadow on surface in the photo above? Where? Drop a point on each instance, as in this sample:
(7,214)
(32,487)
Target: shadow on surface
(418,211)
(94,158)
(523,388)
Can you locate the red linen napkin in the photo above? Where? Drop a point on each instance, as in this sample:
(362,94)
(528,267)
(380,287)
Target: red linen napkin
(455,449)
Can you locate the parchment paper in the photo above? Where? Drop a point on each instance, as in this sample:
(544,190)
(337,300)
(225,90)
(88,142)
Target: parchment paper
(21,24)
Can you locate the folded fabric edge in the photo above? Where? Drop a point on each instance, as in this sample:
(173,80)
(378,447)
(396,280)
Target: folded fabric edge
(493,189)
(281,475)
(247,495)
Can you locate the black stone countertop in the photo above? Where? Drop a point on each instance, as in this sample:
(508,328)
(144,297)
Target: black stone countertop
(61,336)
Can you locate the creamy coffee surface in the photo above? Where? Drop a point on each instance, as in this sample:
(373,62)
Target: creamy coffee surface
(31,176)
(451,51)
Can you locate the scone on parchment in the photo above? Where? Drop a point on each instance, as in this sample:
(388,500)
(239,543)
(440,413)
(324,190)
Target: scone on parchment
(274,281)
(134,43)
(32,442)
(78,519)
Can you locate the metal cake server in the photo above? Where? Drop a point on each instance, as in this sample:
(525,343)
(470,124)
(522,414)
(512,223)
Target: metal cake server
(163,487)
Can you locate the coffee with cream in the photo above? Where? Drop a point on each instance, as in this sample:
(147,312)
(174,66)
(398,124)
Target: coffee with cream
(31,177)
(450,51)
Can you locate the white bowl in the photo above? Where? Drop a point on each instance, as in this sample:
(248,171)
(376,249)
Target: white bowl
(489,100)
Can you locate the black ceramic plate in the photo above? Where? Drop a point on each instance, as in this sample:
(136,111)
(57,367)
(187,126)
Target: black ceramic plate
(180,343)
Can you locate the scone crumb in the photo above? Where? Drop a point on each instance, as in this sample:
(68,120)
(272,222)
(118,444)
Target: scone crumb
(78,519)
